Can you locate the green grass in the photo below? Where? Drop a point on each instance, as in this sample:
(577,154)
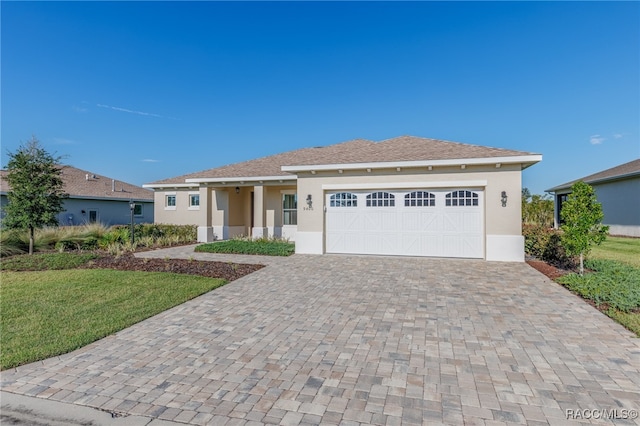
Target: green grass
(48,313)
(626,250)
(45,261)
(263,246)
(612,285)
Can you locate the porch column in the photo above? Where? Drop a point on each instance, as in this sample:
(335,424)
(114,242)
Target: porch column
(205,228)
(259,229)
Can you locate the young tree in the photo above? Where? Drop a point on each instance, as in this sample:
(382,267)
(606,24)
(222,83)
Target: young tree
(36,189)
(582,216)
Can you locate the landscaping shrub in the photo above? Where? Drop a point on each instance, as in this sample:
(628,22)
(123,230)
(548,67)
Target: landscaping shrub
(260,246)
(536,239)
(118,234)
(11,243)
(161,234)
(182,233)
(545,244)
(116,239)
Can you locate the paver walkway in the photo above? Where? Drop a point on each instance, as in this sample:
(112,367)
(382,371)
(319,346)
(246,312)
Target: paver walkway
(359,340)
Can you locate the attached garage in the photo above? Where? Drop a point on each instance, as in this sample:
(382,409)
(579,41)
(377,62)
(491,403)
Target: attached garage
(412,222)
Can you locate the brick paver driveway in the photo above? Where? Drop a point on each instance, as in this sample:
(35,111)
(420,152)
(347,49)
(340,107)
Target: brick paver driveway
(360,340)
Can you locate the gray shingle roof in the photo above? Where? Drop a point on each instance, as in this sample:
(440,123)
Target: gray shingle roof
(399,149)
(632,168)
(76,184)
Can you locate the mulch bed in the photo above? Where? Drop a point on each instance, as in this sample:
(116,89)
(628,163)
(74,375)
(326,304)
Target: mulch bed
(549,270)
(127,262)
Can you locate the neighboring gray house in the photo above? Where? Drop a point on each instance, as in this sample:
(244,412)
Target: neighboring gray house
(96,198)
(618,190)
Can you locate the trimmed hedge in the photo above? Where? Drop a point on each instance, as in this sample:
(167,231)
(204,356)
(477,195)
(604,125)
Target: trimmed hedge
(262,246)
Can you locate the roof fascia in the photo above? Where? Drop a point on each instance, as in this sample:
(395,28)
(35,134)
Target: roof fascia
(123,199)
(225,180)
(168,185)
(566,186)
(528,160)
(617,177)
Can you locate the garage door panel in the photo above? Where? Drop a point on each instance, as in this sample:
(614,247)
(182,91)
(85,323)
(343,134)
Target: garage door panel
(431,229)
(470,246)
(432,245)
(452,221)
(419,221)
(380,243)
(472,222)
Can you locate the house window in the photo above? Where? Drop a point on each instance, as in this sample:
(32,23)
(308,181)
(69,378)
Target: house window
(561,199)
(137,209)
(381,199)
(343,199)
(194,201)
(420,199)
(461,198)
(290,209)
(170,201)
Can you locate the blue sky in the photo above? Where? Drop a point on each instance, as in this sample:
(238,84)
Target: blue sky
(149,90)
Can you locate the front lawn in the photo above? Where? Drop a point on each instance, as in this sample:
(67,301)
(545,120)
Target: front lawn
(626,250)
(262,246)
(48,313)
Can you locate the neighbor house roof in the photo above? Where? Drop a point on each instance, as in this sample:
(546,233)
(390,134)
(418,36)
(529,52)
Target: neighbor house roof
(623,171)
(83,184)
(358,151)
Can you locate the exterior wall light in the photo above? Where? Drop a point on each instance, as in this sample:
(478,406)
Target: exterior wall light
(309,201)
(237,189)
(504,198)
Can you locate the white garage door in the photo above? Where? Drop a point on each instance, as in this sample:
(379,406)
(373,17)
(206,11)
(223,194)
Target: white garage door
(417,222)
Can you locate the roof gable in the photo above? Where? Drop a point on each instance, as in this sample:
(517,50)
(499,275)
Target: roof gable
(399,149)
(81,183)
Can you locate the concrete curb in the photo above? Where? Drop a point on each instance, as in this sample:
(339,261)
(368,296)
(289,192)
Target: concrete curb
(27,410)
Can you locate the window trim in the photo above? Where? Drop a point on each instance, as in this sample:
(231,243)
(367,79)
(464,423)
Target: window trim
(194,206)
(166,200)
(290,210)
(135,206)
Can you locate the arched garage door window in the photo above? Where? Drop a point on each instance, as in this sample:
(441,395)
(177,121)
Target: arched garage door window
(343,199)
(380,199)
(461,198)
(420,199)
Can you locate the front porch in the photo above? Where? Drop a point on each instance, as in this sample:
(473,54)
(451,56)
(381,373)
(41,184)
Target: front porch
(259,211)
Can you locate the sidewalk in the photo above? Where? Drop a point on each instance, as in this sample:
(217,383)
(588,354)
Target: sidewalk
(27,410)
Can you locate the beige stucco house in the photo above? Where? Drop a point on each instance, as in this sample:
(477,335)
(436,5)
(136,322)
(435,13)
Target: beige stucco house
(618,190)
(402,196)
